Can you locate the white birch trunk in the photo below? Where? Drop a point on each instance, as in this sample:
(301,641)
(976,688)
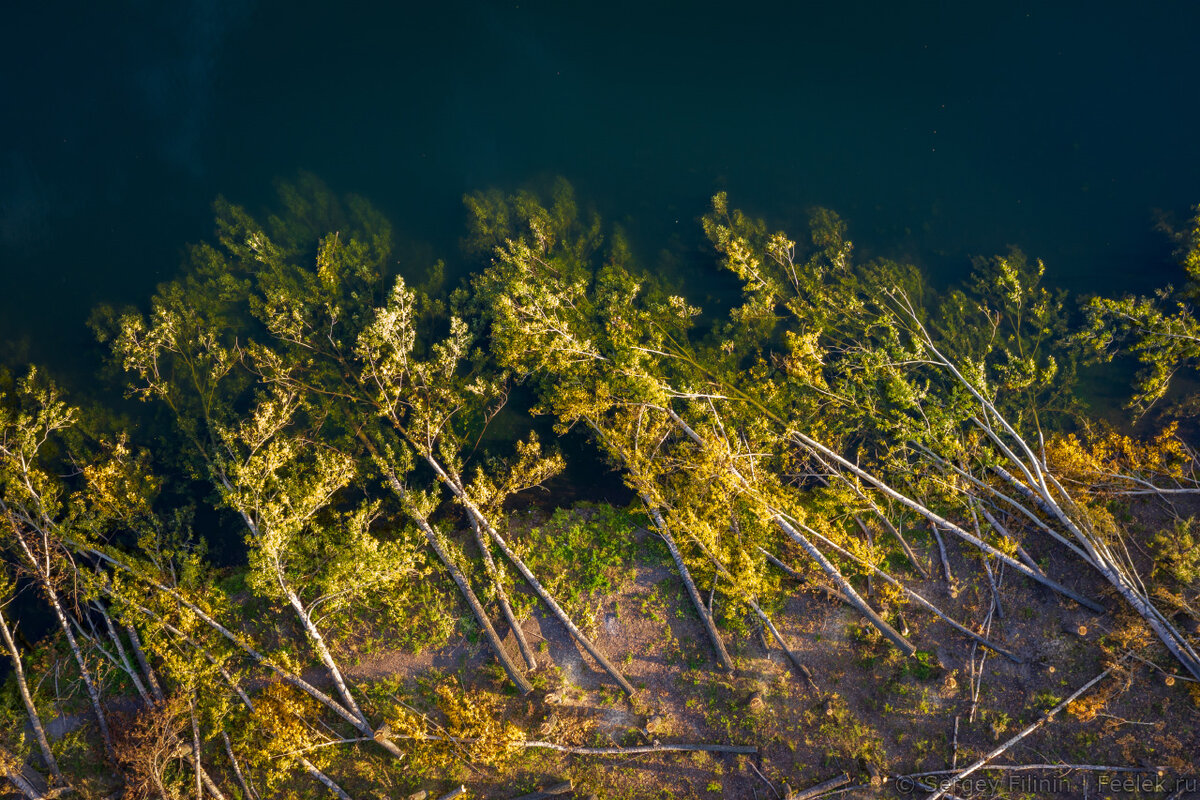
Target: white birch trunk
(35,721)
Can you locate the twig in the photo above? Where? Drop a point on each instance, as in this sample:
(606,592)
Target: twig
(976,676)
(758,772)
(987,567)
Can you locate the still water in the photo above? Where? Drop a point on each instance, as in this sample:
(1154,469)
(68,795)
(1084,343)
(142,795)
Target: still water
(940,130)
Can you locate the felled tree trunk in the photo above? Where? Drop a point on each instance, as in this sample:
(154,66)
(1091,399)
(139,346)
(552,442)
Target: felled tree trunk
(88,682)
(35,720)
(705,615)
(890,633)
(516,561)
(502,596)
(826,566)
(945,524)
(460,580)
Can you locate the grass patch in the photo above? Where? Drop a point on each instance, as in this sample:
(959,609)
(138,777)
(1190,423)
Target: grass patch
(578,553)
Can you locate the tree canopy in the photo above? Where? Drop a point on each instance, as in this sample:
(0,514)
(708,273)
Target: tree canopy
(839,425)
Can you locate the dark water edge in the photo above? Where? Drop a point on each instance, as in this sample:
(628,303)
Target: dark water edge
(939,130)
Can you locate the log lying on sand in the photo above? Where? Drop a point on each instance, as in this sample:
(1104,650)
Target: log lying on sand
(821,788)
(1049,715)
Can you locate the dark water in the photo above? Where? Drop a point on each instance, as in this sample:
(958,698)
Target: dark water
(940,130)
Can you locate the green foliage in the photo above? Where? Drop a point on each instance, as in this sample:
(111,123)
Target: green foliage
(582,552)
(1177,554)
(1016,331)
(346,416)
(1161,332)
(847,739)
(923,666)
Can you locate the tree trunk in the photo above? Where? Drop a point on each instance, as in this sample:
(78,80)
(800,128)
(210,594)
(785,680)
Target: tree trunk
(951,589)
(323,778)
(1105,564)
(42,571)
(237,769)
(460,580)
(879,622)
(828,568)
(85,674)
(122,655)
(804,671)
(921,601)
(829,591)
(1000,529)
(550,602)
(704,613)
(1096,551)
(435,541)
(1049,715)
(326,657)
(310,628)
(196,747)
(205,779)
(19,781)
(904,545)
(284,675)
(946,524)
(501,596)
(35,720)
(822,788)
(556,609)
(135,643)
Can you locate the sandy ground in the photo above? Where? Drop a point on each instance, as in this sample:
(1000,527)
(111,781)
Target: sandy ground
(874,717)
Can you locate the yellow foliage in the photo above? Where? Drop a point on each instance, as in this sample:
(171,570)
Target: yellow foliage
(474,729)
(1086,708)
(281,712)
(1108,460)
(116,487)
(1177,554)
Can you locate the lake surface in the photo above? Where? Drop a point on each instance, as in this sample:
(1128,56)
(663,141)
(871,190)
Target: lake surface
(940,130)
